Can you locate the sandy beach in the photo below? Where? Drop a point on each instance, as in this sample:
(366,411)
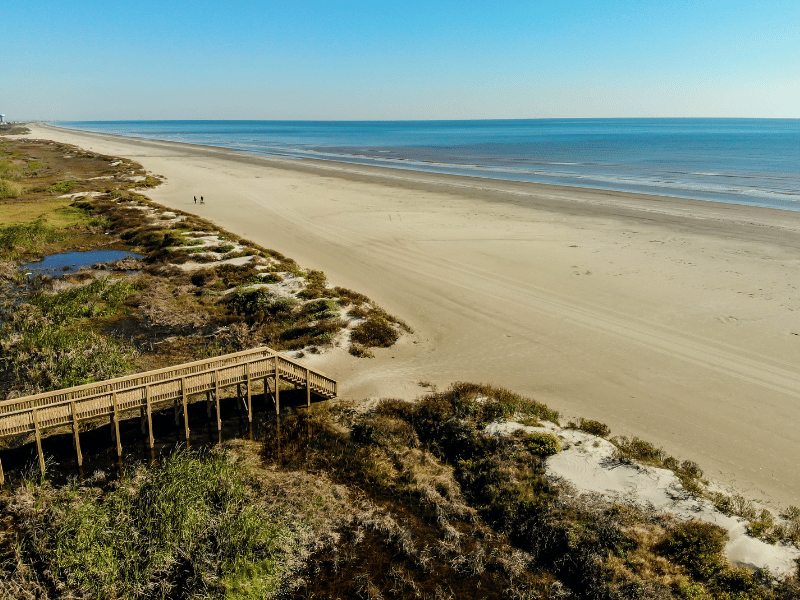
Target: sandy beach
(674,320)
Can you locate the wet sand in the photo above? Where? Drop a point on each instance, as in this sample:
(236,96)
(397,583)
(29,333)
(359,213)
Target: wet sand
(674,320)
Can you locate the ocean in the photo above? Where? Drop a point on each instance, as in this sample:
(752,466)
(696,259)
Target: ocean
(741,161)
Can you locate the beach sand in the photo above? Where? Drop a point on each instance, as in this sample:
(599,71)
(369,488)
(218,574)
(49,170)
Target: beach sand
(677,321)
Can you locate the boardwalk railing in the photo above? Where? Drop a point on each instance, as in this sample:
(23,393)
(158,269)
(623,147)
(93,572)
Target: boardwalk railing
(157,389)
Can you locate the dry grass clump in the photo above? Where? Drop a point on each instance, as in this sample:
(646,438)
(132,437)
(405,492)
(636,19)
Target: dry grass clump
(591,427)
(688,472)
(9,189)
(374,333)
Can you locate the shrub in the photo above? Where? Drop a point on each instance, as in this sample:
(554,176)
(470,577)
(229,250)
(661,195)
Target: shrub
(347,297)
(63,187)
(593,427)
(9,189)
(322,309)
(271,278)
(691,469)
(259,304)
(640,450)
(374,333)
(360,352)
(203,276)
(542,444)
(233,275)
(696,545)
(736,581)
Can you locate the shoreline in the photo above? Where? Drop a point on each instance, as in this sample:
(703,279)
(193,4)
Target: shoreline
(467,173)
(559,293)
(624,203)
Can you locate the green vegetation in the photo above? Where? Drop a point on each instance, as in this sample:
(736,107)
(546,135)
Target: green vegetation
(16,240)
(698,546)
(375,332)
(406,500)
(196,526)
(62,187)
(47,345)
(542,444)
(592,427)
(9,189)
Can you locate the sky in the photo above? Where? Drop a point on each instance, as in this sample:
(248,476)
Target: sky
(344,60)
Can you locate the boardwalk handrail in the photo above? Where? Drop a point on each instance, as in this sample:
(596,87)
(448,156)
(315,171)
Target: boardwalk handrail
(147,389)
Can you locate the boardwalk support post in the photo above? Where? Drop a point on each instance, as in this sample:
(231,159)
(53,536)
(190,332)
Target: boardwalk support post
(249,397)
(38,441)
(308,387)
(76,432)
(148,408)
(277,388)
(216,398)
(185,409)
(115,419)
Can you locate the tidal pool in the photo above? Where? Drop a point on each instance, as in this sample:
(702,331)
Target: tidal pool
(72,261)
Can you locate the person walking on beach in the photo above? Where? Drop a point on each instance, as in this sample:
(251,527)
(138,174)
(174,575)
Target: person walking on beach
(202,201)
(195,199)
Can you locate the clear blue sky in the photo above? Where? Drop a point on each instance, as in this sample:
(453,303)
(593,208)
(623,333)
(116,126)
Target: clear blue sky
(304,59)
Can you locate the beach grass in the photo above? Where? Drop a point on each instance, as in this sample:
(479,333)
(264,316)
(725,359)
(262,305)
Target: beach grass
(197,525)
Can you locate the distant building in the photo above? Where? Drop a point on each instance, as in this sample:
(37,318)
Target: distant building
(2,119)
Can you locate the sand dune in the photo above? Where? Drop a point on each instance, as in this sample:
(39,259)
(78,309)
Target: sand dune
(674,320)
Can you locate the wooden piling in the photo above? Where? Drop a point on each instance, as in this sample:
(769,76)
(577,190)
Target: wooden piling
(308,388)
(148,408)
(76,432)
(216,397)
(115,419)
(2,475)
(249,396)
(185,409)
(277,388)
(38,441)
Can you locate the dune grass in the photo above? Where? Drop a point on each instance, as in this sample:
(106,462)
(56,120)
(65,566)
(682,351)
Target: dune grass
(196,526)
(9,189)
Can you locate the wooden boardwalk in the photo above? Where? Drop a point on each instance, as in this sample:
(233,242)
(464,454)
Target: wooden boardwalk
(142,393)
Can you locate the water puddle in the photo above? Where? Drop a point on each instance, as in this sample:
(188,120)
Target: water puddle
(72,261)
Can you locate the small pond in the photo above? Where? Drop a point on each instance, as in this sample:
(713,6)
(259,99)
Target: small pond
(72,261)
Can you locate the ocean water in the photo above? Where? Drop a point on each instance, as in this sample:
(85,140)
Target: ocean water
(741,161)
